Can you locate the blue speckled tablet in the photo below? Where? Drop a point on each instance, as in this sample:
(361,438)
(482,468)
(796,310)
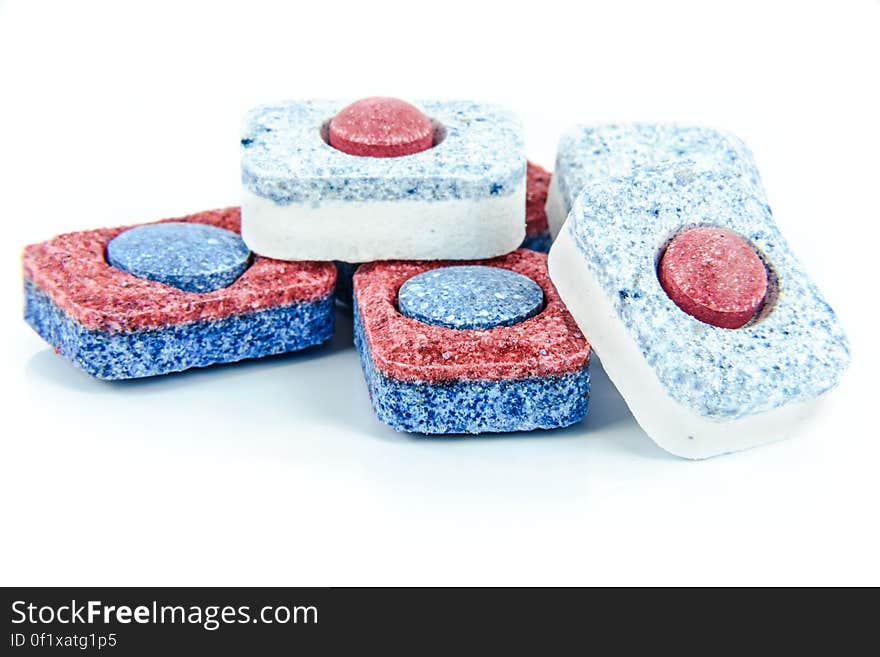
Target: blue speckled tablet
(285,159)
(697,389)
(189,256)
(594,151)
(470,297)
(461,199)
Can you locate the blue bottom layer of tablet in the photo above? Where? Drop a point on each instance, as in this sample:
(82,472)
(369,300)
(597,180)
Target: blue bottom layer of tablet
(143,353)
(470,407)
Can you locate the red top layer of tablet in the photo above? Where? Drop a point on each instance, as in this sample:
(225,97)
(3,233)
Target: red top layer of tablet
(548,344)
(714,275)
(537,184)
(381,127)
(72,270)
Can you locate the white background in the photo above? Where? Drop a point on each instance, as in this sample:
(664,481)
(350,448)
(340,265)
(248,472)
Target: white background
(276,472)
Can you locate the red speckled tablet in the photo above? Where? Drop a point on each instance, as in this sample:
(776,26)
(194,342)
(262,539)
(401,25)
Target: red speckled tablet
(72,270)
(381,127)
(537,184)
(548,344)
(715,276)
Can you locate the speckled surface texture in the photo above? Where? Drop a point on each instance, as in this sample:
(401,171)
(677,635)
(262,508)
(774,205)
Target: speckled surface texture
(381,127)
(470,297)
(433,379)
(714,275)
(537,231)
(592,151)
(189,256)
(115,325)
(72,271)
(473,407)
(794,351)
(285,159)
(177,347)
(550,343)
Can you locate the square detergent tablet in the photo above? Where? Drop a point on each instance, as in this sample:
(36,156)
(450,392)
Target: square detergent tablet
(382,179)
(129,302)
(703,317)
(469,347)
(588,152)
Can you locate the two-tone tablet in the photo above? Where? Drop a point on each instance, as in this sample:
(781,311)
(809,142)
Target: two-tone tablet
(130,302)
(326,180)
(469,347)
(703,317)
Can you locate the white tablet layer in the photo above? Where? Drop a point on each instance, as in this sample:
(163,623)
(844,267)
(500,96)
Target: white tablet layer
(464,198)
(589,152)
(698,390)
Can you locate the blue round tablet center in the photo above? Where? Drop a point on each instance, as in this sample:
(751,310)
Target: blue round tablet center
(470,297)
(189,256)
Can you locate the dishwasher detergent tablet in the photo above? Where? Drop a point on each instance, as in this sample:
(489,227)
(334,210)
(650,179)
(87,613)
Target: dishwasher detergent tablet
(378,195)
(130,302)
(469,347)
(702,316)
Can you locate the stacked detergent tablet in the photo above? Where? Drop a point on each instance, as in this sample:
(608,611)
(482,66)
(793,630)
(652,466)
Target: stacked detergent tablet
(703,317)
(124,303)
(447,181)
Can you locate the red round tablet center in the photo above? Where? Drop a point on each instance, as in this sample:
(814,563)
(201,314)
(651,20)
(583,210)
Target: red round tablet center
(381,127)
(714,275)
